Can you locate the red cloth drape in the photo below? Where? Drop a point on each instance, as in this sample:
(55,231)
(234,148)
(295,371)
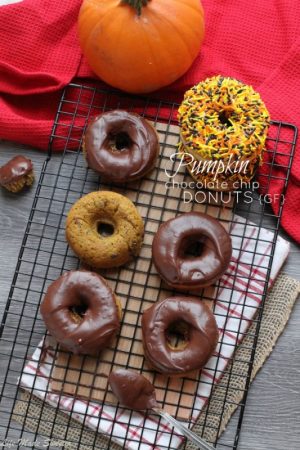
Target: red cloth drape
(257,42)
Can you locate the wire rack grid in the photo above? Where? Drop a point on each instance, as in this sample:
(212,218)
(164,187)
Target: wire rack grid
(44,254)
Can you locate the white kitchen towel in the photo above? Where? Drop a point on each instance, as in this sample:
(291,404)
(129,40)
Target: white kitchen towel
(9,2)
(237,300)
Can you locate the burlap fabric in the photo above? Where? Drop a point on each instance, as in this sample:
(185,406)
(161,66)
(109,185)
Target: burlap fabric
(44,420)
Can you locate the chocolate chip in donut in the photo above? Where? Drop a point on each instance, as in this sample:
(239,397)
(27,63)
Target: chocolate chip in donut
(81,311)
(195,326)
(121,146)
(191,251)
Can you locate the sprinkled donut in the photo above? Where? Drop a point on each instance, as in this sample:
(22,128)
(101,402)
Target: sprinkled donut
(224,122)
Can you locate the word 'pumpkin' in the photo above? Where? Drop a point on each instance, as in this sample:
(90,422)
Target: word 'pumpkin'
(140,46)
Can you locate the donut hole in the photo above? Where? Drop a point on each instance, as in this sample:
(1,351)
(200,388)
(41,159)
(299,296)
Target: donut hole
(78,311)
(105,229)
(177,334)
(224,117)
(120,141)
(192,248)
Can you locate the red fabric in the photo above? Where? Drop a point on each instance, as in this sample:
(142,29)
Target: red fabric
(257,42)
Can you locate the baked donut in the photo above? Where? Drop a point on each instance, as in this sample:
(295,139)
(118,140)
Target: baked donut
(104,229)
(191,251)
(224,124)
(121,146)
(81,311)
(16,174)
(193,321)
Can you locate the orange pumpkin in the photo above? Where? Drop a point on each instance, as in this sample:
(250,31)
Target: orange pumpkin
(140,46)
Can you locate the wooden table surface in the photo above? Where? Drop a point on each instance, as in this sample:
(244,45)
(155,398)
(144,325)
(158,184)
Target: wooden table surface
(272,417)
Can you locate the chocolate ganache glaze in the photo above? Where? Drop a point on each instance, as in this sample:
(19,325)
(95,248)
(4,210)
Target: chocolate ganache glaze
(200,335)
(191,251)
(132,389)
(121,146)
(16,168)
(80,311)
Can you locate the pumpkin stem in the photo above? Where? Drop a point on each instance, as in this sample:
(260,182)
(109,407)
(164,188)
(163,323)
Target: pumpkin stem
(137,4)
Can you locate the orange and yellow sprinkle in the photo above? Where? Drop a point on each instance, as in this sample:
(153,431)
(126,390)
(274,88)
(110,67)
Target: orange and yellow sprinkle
(222,118)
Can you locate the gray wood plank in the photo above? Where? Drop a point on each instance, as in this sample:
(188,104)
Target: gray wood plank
(272,417)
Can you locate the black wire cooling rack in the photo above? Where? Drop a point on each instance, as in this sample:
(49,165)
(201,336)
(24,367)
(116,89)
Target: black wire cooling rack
(44,255)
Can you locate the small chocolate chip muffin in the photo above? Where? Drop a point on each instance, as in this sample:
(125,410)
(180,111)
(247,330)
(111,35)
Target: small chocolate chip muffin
(16,174)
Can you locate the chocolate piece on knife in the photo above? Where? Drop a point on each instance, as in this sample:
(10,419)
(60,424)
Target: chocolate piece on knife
(132,389)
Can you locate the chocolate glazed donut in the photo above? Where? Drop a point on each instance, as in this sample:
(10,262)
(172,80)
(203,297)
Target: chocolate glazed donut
(192,319)
(121,146)
(80,311)
(191,251)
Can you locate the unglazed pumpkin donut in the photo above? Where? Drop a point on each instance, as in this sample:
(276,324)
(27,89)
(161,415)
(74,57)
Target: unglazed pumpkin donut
(121,146)
(224,124)
(191,251)
(104,229)
(188,317)
(81,311)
